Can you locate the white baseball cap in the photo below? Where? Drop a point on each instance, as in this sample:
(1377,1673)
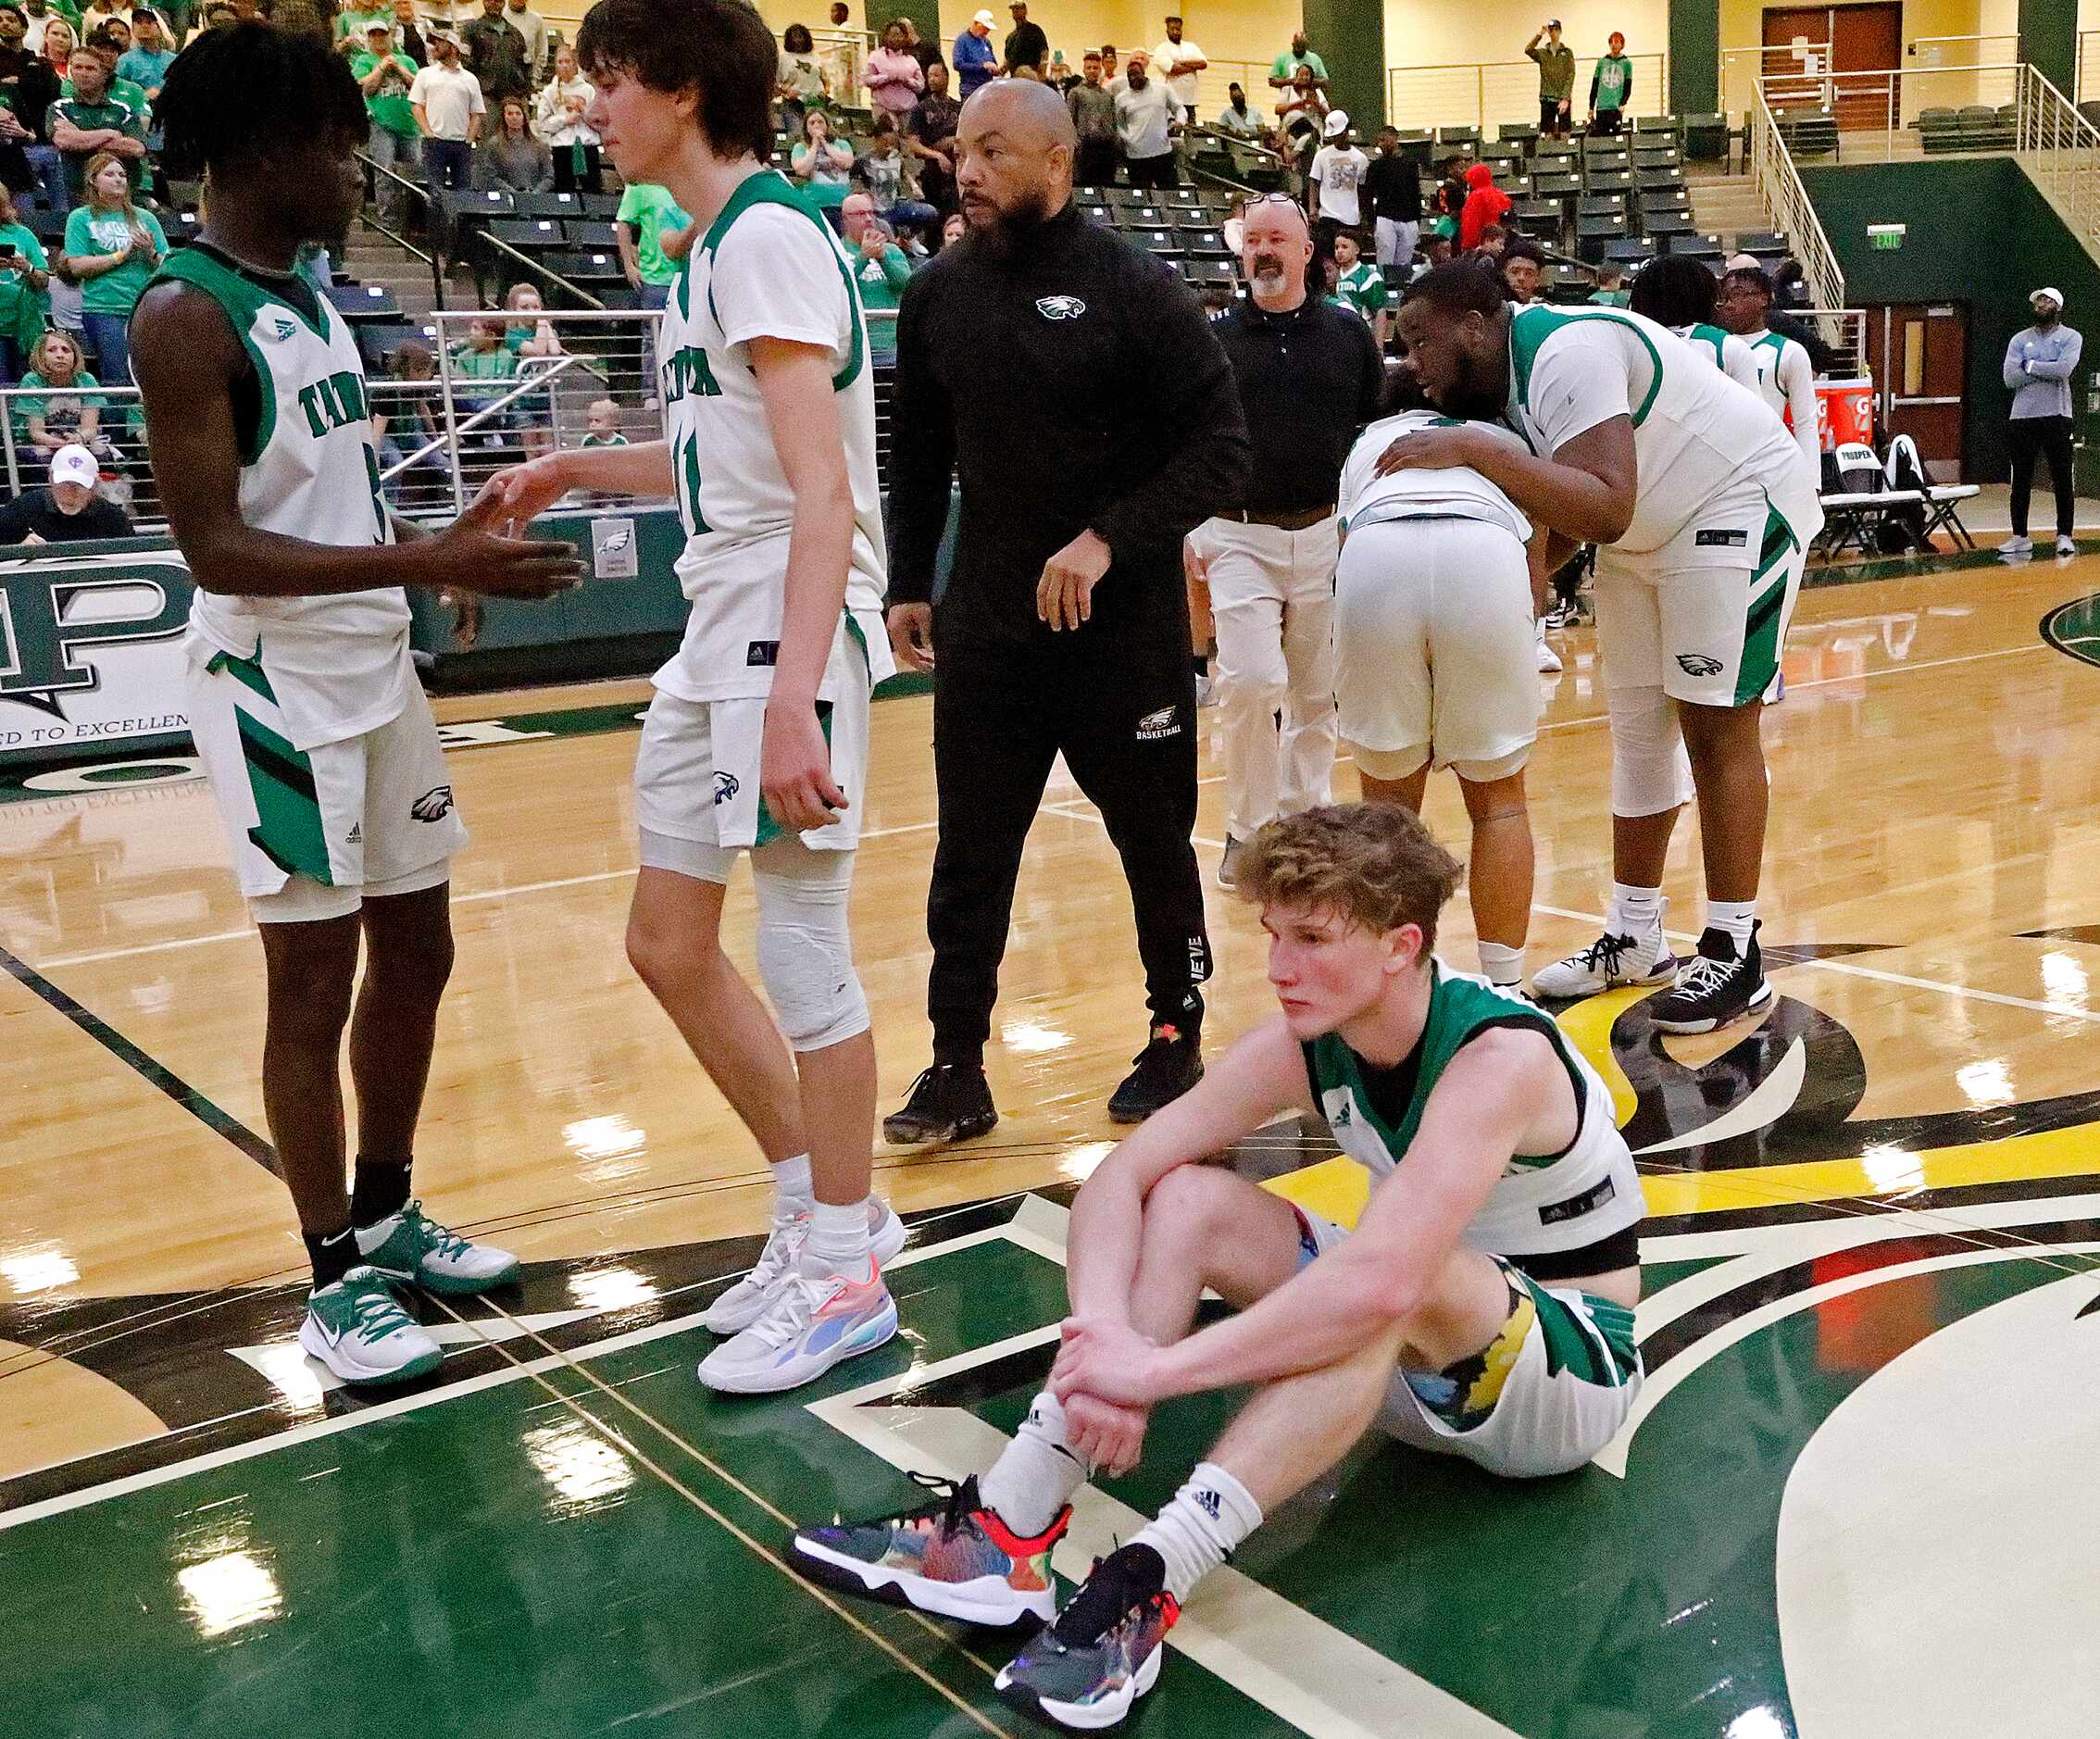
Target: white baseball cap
(1338,123)
(75,465)
(985,18)
(2053,294)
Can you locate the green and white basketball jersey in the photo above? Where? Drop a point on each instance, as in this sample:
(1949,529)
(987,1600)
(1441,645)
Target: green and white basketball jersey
(768,267)
(309,468)
(1455,492)
(1698,436)
(1768,351)
(1541,1205)
(1730,354)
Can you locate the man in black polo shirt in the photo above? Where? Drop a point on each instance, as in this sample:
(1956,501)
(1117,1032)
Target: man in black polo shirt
(1309,378)
(1026,44)
(1109,428)
(1395,189)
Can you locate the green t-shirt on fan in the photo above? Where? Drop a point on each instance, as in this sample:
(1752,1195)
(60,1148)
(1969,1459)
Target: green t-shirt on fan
(1363,287)
(649,210)
(389,105)
(1614,79)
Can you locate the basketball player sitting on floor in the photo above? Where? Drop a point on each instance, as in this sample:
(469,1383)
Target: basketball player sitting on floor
(756,741)
(1482,1307)
(313,730)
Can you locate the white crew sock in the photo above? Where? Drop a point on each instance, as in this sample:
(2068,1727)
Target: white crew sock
(1201,1528)
(1636,912)
(1036,1474)
(1735,917)
(838,1237)
(793,1195)
(1503,967)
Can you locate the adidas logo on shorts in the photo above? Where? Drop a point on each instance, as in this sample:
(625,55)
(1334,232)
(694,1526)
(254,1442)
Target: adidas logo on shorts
(1162,723)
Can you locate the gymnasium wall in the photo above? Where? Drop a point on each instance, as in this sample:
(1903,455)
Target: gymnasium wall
(1980,233)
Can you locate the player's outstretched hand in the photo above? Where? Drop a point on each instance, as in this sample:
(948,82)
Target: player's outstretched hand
(911,634)
(1107,1360)
(1108,1438)
(525,491)
(469,556)
(795,768)
(1426,450)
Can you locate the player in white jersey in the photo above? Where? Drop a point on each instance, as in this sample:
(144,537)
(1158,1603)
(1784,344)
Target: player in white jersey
(1435,599)
(1482,1306)
(1786,373)
(311,726)
(1678,292)
(1702,509)
(756,741)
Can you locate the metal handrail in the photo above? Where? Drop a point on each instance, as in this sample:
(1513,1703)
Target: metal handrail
(2060,150)
(1767,61)
(536,381)
(421,192)
(1971,44)
(1787,206)
(530,263)
(1446,83)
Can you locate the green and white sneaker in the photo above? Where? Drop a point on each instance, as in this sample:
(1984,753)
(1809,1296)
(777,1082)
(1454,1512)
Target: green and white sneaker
(359,1330)
(409,1246)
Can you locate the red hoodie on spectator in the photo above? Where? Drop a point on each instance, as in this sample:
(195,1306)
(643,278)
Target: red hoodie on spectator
(1484,205)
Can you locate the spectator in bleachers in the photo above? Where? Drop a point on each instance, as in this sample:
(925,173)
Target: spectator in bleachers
(842,56)
(1093,110)
(1283,73)
(27,89)
(800,83)
(1394,189)
(58,405)
(822,164)
(929,137)
(111,45)
(94,121)
(1447,205)
(1238,123)
(882,270)
(1610,86)
(1557,78)
(407,412)
(449,108)
(112,249)
(1435,251)
(882,170)
(928,54)
(655,236)
(1335,184)
(1611,291)
(529,336)
(1359,284)
(953,227)
(146,63)
(66,510)
(564,104)
(1112,78)
(25,279)
(495,53)
(601,425)
(1493,239)
(36,18)
(492,366)
(511,157)
(1485,203)
(1026,44)
(354,22)
(220,13)
(976,61)
(1301,115)
(409,34)
(14,28)
(1144,123)
(529,24)
(1176,64)
(1522,262)
(385,73)
(895,80)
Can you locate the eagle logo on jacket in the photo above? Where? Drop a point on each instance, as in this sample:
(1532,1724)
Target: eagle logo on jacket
(1059,307)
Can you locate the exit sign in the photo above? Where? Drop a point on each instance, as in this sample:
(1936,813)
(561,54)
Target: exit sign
(1887,236)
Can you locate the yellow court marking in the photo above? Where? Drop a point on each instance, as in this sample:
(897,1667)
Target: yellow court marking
(1588,1026)
(1336,1189)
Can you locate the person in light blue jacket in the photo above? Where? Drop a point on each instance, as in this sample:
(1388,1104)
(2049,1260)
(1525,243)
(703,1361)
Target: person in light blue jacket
(2041,364)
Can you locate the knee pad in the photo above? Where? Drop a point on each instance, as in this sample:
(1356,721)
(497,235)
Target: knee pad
(1650,771)
(805,951)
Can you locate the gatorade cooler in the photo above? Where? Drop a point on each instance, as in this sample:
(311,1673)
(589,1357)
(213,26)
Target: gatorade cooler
(1845,413)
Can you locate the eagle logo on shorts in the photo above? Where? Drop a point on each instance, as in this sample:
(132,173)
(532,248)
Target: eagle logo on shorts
(726,787)
(1059,307)
(433,805)
(1698,664)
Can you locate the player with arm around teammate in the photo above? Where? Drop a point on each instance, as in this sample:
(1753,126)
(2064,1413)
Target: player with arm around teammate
(315,735)
(756,741)
(1482,1306)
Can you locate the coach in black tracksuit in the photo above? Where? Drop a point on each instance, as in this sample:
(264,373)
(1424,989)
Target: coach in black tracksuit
(1074,386)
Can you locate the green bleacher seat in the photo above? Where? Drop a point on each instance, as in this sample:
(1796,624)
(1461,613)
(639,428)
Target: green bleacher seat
(1450,139)
(1617,182)
(1518,132)
(1696,246)
(1594,235)
(1705,138)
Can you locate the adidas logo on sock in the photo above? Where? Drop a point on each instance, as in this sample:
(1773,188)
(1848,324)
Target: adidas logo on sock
(1209,1503)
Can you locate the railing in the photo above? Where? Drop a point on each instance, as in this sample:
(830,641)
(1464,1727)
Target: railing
(107,421)
(1797,70)
(2088,81)
(1964,51)
(1879,113)
(1215,83)
(1845,330)
(1787,206)
(1488,94)
(499,251)
(2060,149)
(402,242)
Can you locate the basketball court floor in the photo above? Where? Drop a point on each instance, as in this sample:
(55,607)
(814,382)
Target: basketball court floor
(1855,1499)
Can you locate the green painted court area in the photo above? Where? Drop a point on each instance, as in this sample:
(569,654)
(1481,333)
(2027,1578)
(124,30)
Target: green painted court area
(594,1547)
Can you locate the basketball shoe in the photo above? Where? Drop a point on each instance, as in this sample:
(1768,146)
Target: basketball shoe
(409,1246)
(359,1330)
(745,1302)
(1103,1652)
(948,1101)
(1717,985)
(1608,963)
(953,1558)
(813,1322)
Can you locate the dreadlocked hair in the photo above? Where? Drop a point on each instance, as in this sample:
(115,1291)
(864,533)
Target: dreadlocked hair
(236,90)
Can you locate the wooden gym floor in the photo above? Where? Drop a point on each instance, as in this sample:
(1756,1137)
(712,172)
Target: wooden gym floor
(1841,1509)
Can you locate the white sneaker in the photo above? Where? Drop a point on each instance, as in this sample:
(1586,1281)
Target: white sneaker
(2066,546)
(745,1302)
(1549,660)
(412,1247)
(1608,962)
(359,1330)
(816,1321)
(2017,546)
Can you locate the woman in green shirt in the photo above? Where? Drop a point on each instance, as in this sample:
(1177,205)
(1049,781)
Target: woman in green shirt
(883,271)
(24,278)
(112,249)
(56,409)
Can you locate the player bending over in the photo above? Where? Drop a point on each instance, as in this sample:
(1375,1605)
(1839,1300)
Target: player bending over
(308,719)
(758,738)
(1481,1307)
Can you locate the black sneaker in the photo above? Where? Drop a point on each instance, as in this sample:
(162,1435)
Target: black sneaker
(1169,1065)
(1103,1652)
(948,1101)
(1714,986)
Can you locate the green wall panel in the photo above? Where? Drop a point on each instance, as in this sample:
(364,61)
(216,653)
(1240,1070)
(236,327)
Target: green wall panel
(1349,35)
(1694,56)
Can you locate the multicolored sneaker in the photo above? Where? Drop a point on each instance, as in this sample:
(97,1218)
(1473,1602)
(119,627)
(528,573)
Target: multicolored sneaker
(410,1247)
(745,1302)
(1103,1652)
(814,1321)
(359,1330)
(953,1558)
